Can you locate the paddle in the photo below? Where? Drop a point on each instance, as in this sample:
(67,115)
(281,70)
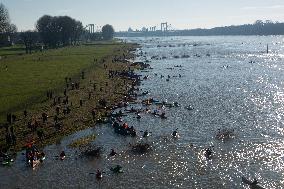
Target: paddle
(148,132)
(96,173)
(143,131)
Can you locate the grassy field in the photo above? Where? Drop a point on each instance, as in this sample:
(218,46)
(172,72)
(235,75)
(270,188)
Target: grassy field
(24,79)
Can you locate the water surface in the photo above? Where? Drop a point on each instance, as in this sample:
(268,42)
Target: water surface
(230,81)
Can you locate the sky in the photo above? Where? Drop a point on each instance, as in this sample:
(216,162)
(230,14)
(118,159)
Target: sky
(122,14)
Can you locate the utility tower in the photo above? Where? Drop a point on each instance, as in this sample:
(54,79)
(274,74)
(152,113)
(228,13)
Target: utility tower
(91,28)
(164,27)
(153,28)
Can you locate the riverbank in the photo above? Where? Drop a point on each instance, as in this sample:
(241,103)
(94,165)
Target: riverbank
(72,101)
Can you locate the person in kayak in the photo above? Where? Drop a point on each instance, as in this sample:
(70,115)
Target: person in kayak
(115,124)
(62,155)
(176,104)
(125,125)
(174,134)
(34,149)
(99,174)
(138,116)
(208,153)
(112,153)
(163,115)
(255,182)
(132,131)
(146,133)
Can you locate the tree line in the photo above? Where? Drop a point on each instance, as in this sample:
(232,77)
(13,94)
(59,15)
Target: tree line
(50,32)
(260,27)
(267,27)
(59,30)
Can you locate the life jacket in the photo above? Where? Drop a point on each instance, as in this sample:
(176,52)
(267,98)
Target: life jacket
(125,125)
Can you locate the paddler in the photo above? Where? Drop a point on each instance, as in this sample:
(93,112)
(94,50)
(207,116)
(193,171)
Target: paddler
(99,174)
(146,133)
(62,155)
(174,133)
(163,115)
(112,153)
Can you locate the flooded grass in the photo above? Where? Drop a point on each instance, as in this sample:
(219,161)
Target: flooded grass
(82,141)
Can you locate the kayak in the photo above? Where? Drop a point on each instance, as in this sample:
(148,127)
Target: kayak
(158,103)
(175,135)
(168,105)
(146,135)
(7,162)
(253,186)
(189,108)
(99,176)
(117,169)
(35,163)
(163,117)
(208,154)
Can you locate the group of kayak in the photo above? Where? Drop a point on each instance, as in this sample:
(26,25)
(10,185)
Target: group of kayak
(116,169)
(155,112)
(151,101)
(139,147)
(33,155)
(124,129)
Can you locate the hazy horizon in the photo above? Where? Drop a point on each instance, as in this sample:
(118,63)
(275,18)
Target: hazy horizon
(181,14)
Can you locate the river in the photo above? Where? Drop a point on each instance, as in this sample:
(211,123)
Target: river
(231,82)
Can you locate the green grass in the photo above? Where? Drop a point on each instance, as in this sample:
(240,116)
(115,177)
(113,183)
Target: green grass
(13,50)
(28,77)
